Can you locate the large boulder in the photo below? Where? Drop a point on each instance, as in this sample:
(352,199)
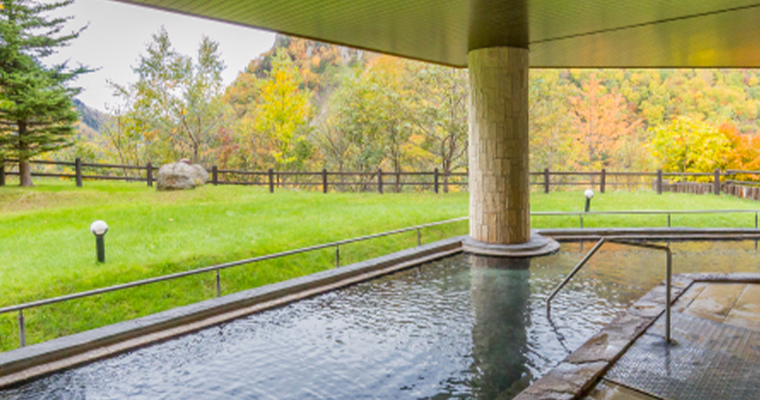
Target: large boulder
(180,176)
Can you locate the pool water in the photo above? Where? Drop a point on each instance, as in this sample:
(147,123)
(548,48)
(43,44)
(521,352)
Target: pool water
(461,327)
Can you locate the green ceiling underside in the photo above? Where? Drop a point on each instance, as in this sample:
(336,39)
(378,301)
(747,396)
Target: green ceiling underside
(559,33)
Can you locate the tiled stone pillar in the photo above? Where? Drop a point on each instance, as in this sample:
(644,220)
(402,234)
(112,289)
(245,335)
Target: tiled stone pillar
(499,191)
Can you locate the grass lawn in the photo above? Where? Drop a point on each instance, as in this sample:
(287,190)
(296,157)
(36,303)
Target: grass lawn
(47,249)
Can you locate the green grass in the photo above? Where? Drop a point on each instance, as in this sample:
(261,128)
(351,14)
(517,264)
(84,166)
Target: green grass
(47,249)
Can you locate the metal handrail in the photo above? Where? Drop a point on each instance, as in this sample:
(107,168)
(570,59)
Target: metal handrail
(611,239)
(217,268)
(581,214)
(639,212)
(214,268)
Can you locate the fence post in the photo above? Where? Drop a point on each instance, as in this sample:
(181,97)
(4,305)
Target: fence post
(271,180)
(324,180)
(435,180)
(546,180)
(603,180)
(659,181)
(78,168)
(716,185)
(2,172)
(149,174)
(215,175)
(380,181)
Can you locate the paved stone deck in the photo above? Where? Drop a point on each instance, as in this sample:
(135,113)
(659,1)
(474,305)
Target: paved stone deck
(717,351)
(716,326)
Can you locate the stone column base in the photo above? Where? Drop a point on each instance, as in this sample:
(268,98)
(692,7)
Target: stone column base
(537,246)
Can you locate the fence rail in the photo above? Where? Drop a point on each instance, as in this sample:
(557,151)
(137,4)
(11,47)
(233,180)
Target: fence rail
(717,182)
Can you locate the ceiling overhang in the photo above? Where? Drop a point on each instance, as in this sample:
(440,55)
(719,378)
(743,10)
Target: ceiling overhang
(559,33)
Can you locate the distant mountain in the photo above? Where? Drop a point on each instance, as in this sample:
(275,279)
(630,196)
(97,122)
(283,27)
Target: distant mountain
(90,117)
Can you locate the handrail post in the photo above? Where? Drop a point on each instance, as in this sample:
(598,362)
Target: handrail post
(337,256)
(149,174)
(668,286)
(755,220)
(668,220)
(78,171)
(581,218)
(271,180)
(419,237)
(218,284)
(21,328)
(546,180)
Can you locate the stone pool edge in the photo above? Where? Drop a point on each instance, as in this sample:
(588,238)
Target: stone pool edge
(577,374)
(34,361)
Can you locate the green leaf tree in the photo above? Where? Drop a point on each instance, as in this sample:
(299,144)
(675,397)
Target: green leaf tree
(200,112)
(440,115)
(551,142)
(174,109)
(38,115)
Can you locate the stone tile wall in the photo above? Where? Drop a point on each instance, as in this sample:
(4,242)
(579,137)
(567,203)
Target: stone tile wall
(499,175)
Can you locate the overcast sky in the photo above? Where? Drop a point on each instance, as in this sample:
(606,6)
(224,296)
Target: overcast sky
(118,34)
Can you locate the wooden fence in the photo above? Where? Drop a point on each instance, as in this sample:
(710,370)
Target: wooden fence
(734,182)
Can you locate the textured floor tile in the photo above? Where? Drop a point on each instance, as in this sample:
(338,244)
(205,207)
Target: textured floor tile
(610,391)
(708,361)
(746,311)
(685,300)
(715,301)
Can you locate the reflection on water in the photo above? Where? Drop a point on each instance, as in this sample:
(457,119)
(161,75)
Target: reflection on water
(463,327)
(500,290)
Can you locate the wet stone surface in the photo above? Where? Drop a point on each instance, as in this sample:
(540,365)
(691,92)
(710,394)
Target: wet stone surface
(709,361)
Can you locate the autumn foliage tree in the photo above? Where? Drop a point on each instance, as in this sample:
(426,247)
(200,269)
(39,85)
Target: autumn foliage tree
(690,145)
(601,120)
(282,113)
(306,105)
(744,151)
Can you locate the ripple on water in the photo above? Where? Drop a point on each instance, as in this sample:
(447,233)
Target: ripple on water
(448,329)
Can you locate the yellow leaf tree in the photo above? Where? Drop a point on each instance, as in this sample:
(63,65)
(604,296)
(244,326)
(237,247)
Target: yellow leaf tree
(282,113)
(690,145)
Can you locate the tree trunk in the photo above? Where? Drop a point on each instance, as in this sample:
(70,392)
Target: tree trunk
(446,173)
(24,168)
(25,173)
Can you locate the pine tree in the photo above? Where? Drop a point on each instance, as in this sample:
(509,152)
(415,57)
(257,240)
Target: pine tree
(38,115)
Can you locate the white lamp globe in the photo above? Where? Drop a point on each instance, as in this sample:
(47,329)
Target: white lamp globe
(99,228)
(589,193)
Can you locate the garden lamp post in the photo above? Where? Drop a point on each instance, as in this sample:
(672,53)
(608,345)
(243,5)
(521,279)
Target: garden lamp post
(99,228)
(589,195)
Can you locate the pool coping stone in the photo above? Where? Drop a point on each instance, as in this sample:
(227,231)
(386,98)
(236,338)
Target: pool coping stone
(34,361)
(574,377)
